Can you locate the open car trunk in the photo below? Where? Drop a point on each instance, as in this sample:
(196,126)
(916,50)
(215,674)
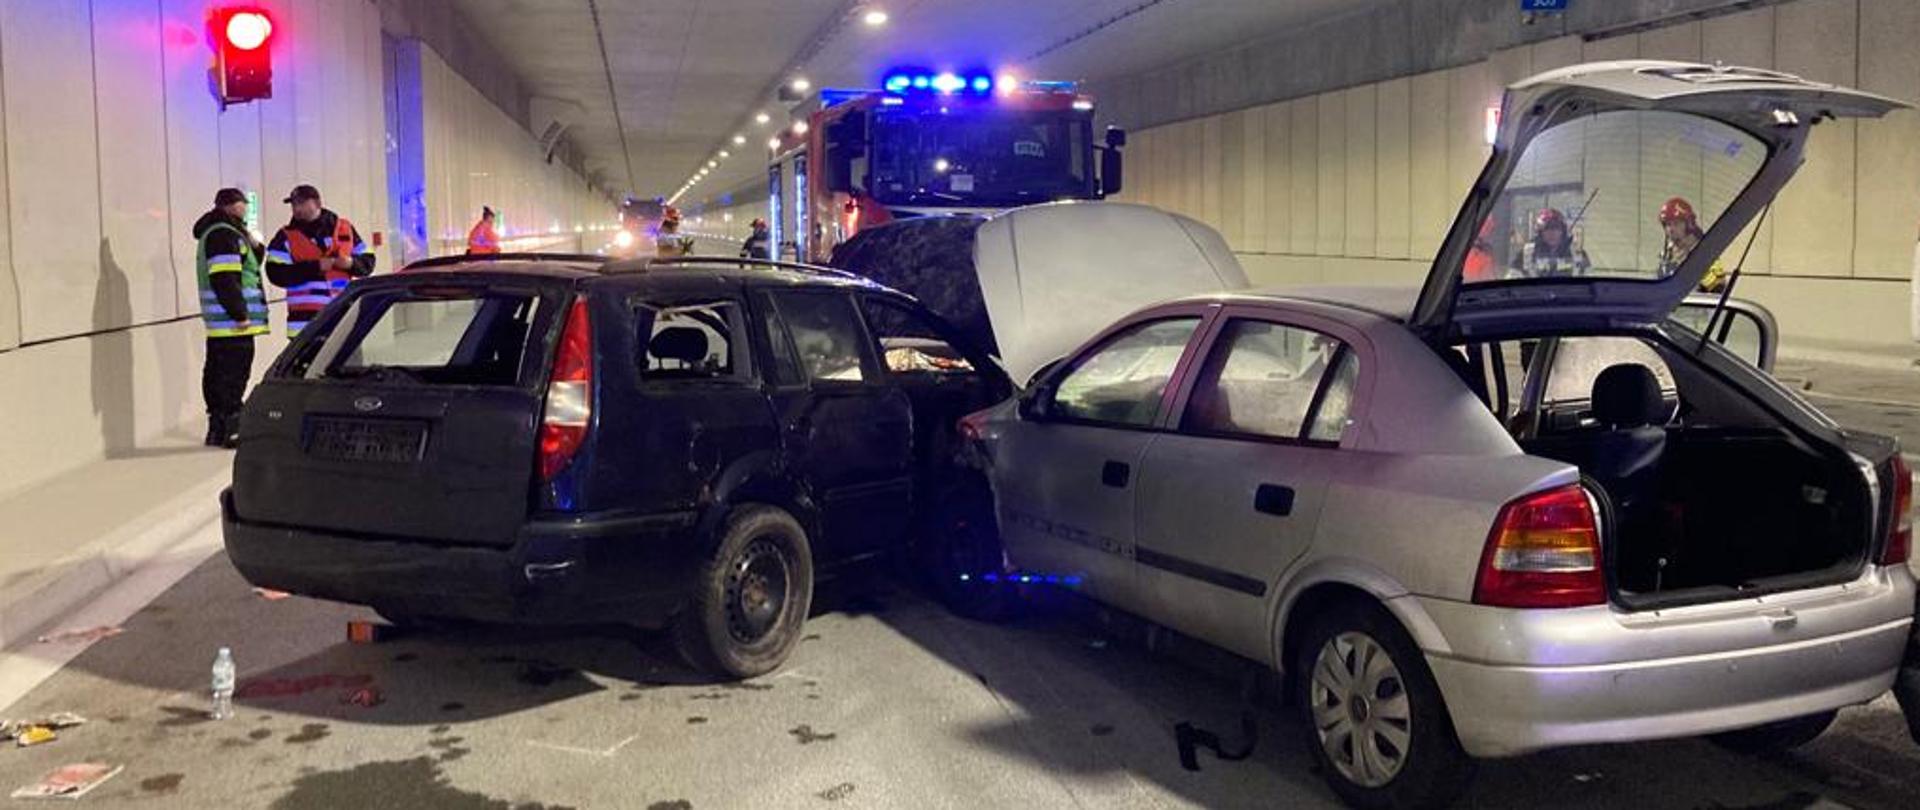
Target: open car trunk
(1712,494)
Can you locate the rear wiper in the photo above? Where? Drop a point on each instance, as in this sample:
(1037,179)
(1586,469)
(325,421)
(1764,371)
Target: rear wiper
(1726,292)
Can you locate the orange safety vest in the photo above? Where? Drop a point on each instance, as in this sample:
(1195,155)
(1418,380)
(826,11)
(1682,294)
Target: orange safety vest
(482,240)
(304,301)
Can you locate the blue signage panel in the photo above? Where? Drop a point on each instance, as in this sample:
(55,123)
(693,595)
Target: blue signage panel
(1543,5)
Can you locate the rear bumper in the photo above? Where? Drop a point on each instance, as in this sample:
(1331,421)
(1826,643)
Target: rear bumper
(1675,679)
(627,569)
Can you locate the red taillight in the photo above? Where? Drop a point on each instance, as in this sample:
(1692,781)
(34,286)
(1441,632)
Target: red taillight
(1900,538)
(1544,552)
(972,427)
(569,394)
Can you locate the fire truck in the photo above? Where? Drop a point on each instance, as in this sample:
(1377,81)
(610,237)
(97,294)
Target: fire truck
(931,143)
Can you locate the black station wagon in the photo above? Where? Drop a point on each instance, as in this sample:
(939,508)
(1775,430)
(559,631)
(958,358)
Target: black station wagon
(553,439)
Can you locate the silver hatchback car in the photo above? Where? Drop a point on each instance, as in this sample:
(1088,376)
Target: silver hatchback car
(1522,507)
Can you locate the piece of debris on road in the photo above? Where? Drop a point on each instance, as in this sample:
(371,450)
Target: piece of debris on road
(69,781)
(270,594)
(82,634)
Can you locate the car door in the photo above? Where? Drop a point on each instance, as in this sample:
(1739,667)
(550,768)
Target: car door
(1066,500)
(849,435)
(1229,498)
(941,374)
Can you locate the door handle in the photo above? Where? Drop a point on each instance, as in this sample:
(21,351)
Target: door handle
(1115,474)
(1273,499)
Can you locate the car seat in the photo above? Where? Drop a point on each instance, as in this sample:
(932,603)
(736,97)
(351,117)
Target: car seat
(684,345)
(1626,455)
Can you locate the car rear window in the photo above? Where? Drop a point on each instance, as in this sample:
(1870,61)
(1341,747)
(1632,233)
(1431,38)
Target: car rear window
(458,336)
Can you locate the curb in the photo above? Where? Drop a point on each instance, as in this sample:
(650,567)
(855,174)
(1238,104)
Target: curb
(30,607)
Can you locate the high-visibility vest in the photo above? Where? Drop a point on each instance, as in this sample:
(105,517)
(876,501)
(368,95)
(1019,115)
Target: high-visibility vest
(305,300)
(219,324)
(482,240)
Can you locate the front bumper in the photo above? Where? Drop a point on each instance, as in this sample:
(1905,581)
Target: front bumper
(1530,680)
(636,570)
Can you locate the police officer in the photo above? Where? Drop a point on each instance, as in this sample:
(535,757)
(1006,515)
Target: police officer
(314,257)
(756,245)
(233,305)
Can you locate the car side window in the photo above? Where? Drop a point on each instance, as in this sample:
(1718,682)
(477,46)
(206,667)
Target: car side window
(1336,400)
(1578,361)
(784,367)
(692,341)
(826,333)
(1263,379)
(1123,381)
(909,343)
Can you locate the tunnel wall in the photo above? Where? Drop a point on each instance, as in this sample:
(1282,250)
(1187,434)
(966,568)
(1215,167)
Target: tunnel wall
(1359,183)
(114,145)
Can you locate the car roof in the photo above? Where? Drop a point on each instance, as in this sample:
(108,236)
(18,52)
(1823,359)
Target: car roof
(692,271)
(1391,302)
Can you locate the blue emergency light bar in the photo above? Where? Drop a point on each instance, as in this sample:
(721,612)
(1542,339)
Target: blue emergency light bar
(944,83)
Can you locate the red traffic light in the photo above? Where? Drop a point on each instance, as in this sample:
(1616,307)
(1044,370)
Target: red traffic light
(248,30)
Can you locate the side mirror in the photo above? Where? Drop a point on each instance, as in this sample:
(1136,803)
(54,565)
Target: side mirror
(1116,137)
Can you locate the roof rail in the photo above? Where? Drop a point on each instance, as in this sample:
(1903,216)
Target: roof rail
(813,269)
(464,258)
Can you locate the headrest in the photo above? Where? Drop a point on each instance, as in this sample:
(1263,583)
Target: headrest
(683,343)
(1628,396)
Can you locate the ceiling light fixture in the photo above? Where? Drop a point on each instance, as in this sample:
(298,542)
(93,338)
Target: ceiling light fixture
(800,84)
(739,140)
(773,143)
(799,127)
(875,18)
(761,118)
(724,154)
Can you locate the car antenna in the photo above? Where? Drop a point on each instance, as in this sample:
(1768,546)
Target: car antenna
(1733,278)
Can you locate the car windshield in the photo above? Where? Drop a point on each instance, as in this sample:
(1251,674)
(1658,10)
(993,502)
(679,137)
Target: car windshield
(1618,194)
(1011,158)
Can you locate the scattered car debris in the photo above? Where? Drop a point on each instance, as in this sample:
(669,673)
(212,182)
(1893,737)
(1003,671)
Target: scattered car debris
(365,697)
(1190,738)
(270,594)
(69,781)
(361,632)
(35,731)
(88,634)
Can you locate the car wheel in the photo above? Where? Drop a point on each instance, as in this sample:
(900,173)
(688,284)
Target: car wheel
(1374,717)
(962,548)
(1781,736)
(750,598)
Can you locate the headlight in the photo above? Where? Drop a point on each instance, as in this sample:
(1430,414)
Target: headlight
(623,239)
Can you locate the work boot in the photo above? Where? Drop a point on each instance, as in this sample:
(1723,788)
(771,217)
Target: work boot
(216,431)
(230,431)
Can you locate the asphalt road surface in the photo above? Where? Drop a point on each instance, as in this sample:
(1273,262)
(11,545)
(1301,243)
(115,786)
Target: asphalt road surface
(889,703)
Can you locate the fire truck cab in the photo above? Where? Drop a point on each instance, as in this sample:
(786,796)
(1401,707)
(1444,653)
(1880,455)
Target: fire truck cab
(931,144)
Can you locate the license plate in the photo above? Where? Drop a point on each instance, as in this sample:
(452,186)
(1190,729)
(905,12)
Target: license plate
(342,439)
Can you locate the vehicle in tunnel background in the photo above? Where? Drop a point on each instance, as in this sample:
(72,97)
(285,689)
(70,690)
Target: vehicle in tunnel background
(932,144)
(546,439)
(1492,515)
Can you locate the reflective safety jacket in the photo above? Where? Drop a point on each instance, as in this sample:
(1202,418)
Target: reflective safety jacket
(300,260)
(482,240)
(228,269)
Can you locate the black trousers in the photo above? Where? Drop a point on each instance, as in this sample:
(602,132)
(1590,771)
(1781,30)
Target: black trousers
(223,380)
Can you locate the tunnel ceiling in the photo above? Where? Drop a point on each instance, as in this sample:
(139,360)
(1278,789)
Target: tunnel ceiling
(688,74)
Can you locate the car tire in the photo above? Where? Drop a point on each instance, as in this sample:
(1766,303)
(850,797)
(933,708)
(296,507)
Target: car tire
(962,545)
(1411,756)
(1784,735)
(750,598)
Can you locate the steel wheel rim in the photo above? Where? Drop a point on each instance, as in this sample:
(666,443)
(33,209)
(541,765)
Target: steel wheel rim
(1361,711)
(758,586)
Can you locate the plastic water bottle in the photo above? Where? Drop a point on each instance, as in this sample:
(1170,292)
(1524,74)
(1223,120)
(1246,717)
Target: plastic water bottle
(223,678)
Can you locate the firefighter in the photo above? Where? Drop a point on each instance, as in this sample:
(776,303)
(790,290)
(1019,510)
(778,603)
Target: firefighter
(756,245)
(1480,264)
(482,241)
(670,243)
(233,305)
(314,257)
(1552,252)
(1683,232)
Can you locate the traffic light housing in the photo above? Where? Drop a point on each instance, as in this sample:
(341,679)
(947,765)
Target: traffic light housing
(242,54)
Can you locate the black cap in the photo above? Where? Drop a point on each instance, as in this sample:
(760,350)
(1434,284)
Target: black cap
(302,192)
(228,196)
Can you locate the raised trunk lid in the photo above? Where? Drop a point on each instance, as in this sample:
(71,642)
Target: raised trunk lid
(1725,140)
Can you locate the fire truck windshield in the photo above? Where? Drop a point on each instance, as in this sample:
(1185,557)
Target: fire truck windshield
(980,158)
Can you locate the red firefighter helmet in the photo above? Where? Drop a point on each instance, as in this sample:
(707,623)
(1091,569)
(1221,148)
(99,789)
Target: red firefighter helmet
(1678,210)
(1549,218)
